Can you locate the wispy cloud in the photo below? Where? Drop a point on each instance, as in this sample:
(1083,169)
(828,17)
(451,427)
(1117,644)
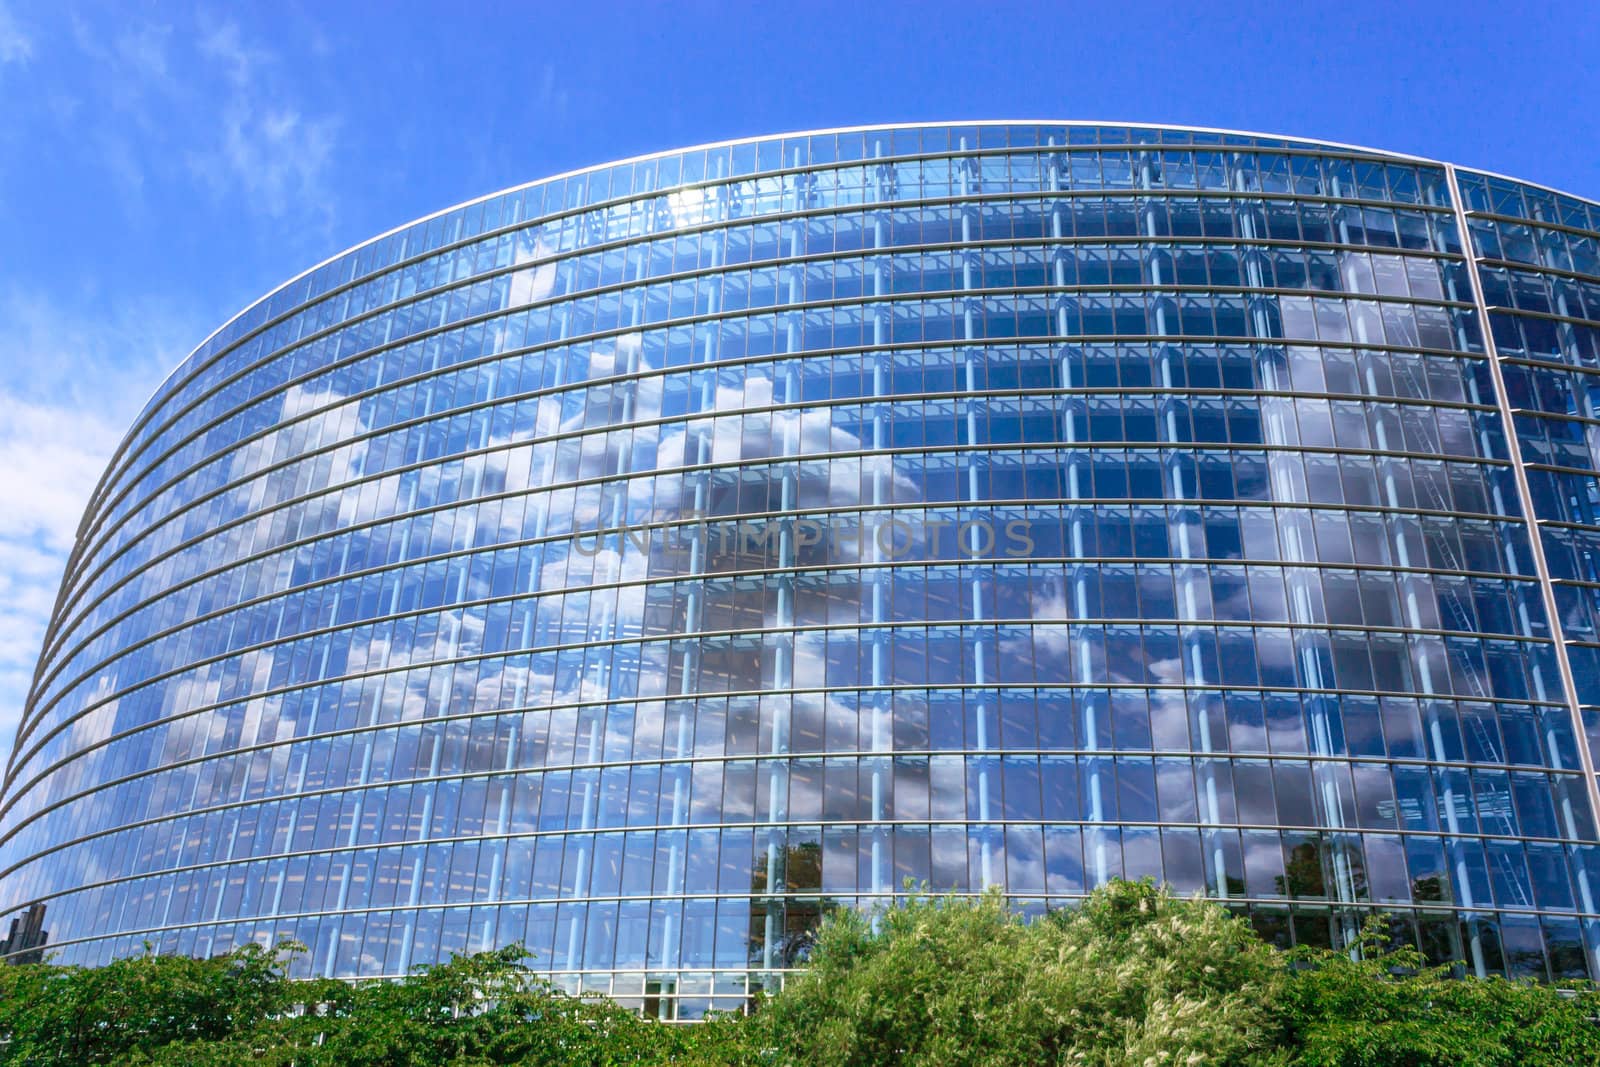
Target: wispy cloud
(145,109)
(147,51)
(129,77)
(277,156)
(15,45)
(163,104)
(56,435)
(268,146)
(50,456)
(224,43)
(553,96)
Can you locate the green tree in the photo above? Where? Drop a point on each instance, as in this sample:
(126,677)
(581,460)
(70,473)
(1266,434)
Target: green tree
(1388,1008)
(482,1009)
(473,1011)
(131,1007)
(1133,976)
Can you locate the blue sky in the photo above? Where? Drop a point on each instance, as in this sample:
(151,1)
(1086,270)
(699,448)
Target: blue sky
(163,164)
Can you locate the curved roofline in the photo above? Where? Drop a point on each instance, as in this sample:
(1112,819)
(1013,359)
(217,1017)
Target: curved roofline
(148,409)
(782,135)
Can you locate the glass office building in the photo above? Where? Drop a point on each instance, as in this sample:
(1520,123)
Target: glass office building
(638,563)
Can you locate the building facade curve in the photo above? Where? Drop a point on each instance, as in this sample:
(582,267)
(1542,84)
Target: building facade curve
(637,563)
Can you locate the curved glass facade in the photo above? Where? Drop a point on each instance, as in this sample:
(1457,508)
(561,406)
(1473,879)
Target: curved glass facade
(637,563)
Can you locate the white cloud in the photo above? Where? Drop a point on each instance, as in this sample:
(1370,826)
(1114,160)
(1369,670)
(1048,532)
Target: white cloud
(156,101)
(50,457)
(276,156)
(130,81)
(94,351)
(73,384)
(266,144)
(224,44)
(15,45)
(187,101)
(553,98)
(144,50)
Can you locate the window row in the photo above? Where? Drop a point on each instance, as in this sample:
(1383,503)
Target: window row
(639,547)
(1503,196)
(1301,174)
(1559,442)
(1004,219)
(322,625)
(733,336)
(1252,722)
(1026,860)
(760,489)
(1565,496)
(986,539)
(772,934)
(342,421)
(1245,722)
(757,489)
(1542,293)
(1004,591)
(1576,344)
(1128,789)
(911,656)
(1538,246)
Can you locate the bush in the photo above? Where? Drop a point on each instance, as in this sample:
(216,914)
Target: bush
(1390,1009)
(1133,976)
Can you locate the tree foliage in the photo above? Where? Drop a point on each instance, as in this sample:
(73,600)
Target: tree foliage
(134,1006)
(1388,1008)
(1133,976)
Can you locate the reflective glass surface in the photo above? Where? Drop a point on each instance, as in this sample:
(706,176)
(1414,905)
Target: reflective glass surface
(639,563)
